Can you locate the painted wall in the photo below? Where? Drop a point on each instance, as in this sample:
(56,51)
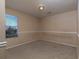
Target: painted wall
(78,32)
(2,20)
(78,22)
(27,27)
(65,22)
(2,28)
(61,28)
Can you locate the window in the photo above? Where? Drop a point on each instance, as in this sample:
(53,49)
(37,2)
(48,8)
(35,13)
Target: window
(11,26)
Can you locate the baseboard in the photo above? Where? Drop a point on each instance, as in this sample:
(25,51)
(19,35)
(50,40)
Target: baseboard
(60,32)
(20,44)
(63,43)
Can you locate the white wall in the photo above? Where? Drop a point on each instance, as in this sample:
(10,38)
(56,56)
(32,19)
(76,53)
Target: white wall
(2,28)
(78,32)
(65,22)
(2,20)
(27,26)
(61,28)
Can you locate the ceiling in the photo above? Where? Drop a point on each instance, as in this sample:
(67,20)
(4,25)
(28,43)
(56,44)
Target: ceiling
(52,7)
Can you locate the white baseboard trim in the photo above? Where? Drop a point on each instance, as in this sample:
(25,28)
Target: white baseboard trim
(59,32)
(63,43)
(20,44)
(48,32)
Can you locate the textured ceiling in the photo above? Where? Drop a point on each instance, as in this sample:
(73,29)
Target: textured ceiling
(52,7)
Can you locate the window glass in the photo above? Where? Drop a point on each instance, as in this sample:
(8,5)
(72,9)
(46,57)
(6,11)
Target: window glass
(11,26)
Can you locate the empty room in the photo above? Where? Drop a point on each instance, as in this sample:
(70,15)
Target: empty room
(39,29)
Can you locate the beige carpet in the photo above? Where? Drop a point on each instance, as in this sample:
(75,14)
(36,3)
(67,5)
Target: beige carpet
(42,50)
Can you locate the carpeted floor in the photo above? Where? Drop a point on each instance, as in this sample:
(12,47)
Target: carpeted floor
(42,50)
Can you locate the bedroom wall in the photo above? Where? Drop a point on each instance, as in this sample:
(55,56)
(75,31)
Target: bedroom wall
(27,28)
(78,32)
(2,20)
(2,28)
(61,28)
